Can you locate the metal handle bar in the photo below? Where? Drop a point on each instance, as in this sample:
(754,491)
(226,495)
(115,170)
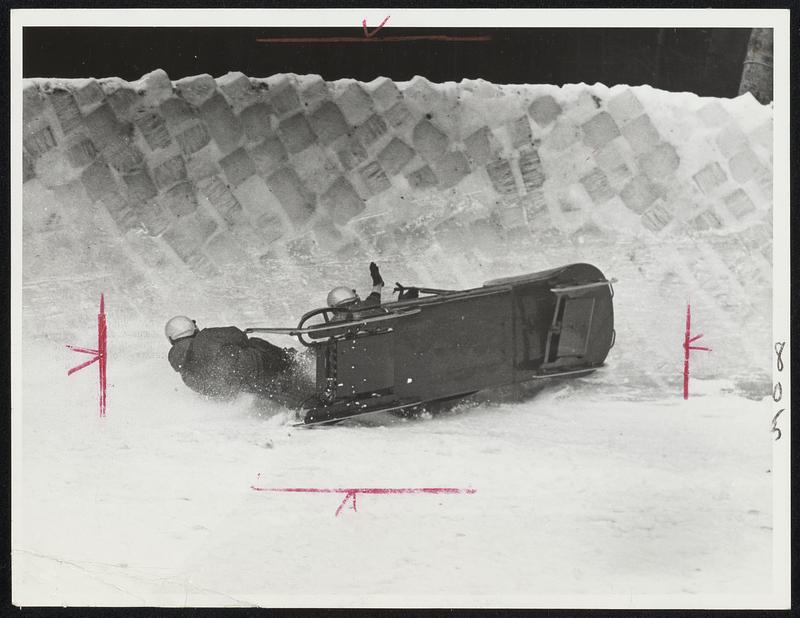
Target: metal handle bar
(334,328)
(584,286)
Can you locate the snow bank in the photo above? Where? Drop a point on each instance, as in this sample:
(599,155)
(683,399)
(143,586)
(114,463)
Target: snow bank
(242,201)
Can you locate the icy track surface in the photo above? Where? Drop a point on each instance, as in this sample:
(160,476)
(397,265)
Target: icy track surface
(575,494)
(243,201)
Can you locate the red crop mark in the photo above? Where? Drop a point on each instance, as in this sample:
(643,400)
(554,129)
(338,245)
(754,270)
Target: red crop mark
(369,37)
(374,32)
(351,493)
(98,356)
(441,38)
(687,347)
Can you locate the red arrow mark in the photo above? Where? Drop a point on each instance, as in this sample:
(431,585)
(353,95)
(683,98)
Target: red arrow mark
(75,348)
(349,496)
(351,493)
(99,355)
(687,348)
(369,34)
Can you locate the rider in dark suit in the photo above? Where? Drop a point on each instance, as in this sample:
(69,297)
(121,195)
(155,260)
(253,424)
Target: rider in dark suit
(222,362)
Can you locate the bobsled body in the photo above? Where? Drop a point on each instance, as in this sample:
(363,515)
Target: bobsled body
(452,343)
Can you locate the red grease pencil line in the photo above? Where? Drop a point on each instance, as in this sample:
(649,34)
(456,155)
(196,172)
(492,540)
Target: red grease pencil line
(686,352)
(386,39)
(367,33)
(82,365)
(351,493)
(368,490)
(98,356)
(101,352)
(687,348)
(75,348)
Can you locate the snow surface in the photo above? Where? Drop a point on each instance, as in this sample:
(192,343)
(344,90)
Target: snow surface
(576,493)
(609,484)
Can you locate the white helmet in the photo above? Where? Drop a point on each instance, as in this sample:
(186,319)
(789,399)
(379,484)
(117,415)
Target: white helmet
(341,296)
(180,326)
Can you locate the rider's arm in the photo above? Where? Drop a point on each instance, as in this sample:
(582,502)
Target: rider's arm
(377,285)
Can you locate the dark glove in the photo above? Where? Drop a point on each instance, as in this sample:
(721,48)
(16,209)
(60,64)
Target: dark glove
(376,275)
(406,293)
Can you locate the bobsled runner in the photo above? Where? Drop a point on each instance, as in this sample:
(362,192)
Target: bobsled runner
(434,345)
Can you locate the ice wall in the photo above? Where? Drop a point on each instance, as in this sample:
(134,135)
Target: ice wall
(242,201)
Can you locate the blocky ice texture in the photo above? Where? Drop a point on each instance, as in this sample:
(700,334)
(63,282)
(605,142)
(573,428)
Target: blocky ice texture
(239,183)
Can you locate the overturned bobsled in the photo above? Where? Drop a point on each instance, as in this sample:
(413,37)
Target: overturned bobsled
(446,344)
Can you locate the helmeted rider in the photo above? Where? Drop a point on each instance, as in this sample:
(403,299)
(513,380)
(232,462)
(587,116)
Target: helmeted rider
(223,362)
(348,300)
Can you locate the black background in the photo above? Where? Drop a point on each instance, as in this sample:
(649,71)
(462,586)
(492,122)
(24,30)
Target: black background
(704,61)
(707,62)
